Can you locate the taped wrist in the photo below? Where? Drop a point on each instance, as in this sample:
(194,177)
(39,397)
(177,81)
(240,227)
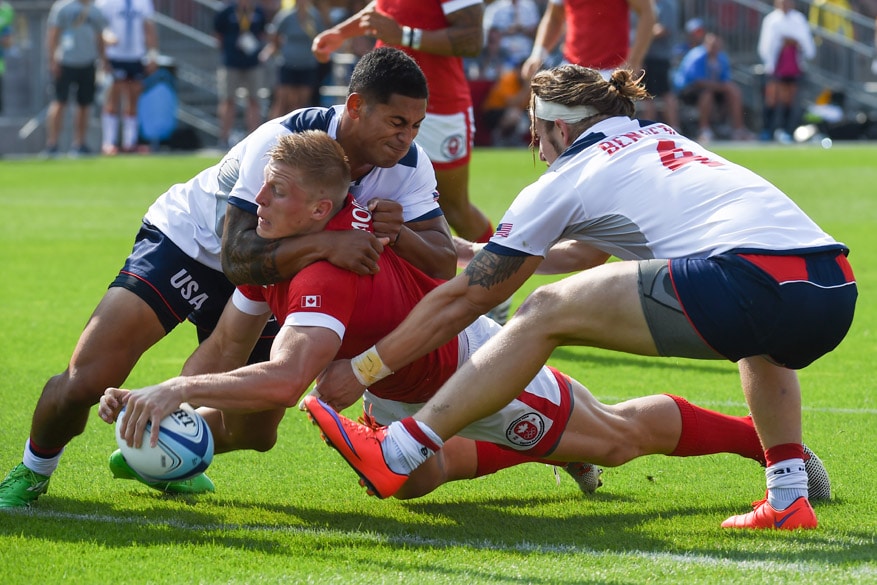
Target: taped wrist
(368,367)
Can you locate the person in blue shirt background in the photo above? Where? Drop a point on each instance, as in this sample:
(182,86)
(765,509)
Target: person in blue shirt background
(704,78)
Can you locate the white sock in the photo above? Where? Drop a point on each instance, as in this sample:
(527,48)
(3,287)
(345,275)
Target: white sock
(786,482)
(129,132)
(38,464)
(402,452)
(110,128)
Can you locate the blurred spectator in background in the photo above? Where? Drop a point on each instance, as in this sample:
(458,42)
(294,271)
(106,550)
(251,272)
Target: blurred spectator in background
(784,43)
(658,63)
(597,34)
(695,31)
(874,60)
(74,46)
(132,53)
(833,16)
(516,21)
(241,29)
(505,109)
(704,78)
(298,73)
(7,16)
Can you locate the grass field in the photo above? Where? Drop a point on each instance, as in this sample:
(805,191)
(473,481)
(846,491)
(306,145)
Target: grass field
(296,515)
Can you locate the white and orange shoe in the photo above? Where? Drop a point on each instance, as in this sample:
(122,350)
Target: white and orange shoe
(359,444)
(799,515)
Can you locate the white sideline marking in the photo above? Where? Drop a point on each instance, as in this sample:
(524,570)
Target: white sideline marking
(522,547)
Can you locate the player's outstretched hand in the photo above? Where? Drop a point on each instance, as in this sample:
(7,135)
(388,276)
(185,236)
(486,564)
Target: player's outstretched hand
(148,405)
(337,385)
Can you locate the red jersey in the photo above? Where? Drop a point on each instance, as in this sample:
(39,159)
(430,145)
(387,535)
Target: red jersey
(448,87)
(362,310)
(597,33)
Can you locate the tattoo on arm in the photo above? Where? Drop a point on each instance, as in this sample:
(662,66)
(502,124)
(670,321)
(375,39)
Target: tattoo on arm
(268,272)
(253,266)
(488,269)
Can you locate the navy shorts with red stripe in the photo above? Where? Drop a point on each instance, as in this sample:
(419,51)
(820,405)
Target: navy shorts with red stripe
(793,307)
(178,288)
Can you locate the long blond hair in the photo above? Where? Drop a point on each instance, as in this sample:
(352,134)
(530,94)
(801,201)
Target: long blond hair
(574,85)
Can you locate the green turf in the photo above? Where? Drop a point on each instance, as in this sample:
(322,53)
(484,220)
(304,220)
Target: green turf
(296,515)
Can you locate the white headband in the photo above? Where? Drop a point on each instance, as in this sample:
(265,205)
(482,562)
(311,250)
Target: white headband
(570,114)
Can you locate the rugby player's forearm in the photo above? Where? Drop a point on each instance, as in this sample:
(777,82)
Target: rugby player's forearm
(430,251)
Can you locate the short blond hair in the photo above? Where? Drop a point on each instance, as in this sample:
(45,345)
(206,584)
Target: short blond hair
(325,171)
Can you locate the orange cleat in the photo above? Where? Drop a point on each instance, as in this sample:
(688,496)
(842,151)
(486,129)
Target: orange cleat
(360,445)
(799,515)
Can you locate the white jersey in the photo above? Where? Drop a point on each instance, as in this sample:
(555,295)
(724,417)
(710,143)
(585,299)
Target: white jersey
(126,20)
(643,191)
(192,214)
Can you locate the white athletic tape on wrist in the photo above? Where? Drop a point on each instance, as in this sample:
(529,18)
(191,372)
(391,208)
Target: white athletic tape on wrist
(368,367)
(552,111)
(406,36)
(416,38)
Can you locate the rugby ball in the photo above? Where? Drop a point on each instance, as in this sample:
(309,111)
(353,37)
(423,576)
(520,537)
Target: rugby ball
(185,447)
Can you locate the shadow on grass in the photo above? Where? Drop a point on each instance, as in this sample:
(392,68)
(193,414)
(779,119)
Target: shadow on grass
(518,525)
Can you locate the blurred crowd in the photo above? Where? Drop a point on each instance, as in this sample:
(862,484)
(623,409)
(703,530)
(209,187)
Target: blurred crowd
(267,67)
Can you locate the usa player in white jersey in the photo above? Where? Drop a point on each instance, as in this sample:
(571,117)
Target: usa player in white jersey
(174,272)
(717,263)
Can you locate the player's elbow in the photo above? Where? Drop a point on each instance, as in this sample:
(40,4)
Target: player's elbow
(291,390)
(446,265)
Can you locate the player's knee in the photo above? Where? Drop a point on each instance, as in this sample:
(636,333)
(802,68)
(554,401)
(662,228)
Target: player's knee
(78,388)
(260,440)
(540,309)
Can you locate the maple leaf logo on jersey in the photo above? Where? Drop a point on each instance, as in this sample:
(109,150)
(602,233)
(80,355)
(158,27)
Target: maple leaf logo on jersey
(527,430)
(311,302)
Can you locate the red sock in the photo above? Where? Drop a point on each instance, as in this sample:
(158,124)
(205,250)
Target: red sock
(783,452)
(705,432)
(492,458)
(485,237)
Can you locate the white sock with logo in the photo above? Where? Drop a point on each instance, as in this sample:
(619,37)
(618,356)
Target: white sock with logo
(786,482)
(402,452)
(38,464)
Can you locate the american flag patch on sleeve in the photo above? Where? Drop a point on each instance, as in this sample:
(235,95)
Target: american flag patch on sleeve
(503,230)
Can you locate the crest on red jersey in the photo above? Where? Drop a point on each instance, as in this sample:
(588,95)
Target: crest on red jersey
(526,430)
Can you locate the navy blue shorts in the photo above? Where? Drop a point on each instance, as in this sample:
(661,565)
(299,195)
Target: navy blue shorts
(792,308)
(178,288)
(128,70)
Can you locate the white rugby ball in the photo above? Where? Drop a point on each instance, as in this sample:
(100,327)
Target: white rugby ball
(185,447)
